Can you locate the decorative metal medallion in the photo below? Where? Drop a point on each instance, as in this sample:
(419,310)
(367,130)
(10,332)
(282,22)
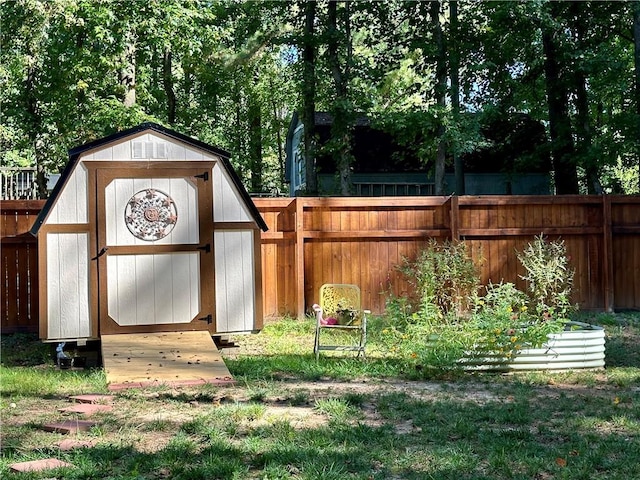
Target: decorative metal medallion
(150,215)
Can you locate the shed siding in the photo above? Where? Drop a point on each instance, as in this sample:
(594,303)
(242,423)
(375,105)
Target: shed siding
(235,282)
(71,206)
(190,154)
(68,307)
(228,206)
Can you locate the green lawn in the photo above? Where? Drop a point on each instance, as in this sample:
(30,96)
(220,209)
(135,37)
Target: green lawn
(290,417)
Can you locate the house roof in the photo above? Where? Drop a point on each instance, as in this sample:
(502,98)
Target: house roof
(325,118)
(76,153)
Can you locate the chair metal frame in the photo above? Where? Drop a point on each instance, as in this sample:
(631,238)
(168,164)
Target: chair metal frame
(340,301)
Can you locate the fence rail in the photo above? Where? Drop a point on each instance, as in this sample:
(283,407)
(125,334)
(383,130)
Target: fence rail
(361,240)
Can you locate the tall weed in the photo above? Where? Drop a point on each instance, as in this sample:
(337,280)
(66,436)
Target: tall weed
(549,277)
(445,279)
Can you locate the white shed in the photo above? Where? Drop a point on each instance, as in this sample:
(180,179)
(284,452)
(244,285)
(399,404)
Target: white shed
(148,230)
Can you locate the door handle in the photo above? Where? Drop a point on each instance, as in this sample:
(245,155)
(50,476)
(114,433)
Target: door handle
(101,253)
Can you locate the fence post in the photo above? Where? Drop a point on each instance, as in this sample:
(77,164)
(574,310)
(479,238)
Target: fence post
(454,218)
(607,255)
(299,226)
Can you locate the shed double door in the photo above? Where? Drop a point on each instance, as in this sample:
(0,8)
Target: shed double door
(155,259)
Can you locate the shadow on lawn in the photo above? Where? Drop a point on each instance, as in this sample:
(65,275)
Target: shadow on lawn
(444,439)
(623,341)
(622,351)
(25,350)
(186,457)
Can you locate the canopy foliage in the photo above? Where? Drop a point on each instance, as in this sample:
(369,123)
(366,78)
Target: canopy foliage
(233,73)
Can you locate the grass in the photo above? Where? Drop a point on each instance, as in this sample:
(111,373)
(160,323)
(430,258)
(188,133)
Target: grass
(290,417)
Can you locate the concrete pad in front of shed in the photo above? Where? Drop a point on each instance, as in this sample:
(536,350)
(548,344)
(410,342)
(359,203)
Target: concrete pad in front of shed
(171,358)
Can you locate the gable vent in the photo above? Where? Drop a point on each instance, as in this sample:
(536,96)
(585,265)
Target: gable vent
(149,150)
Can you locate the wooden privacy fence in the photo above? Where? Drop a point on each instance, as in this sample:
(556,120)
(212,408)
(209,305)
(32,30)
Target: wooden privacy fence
(19,266)
(312,241)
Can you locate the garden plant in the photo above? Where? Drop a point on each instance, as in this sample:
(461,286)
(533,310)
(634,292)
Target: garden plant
(451,317)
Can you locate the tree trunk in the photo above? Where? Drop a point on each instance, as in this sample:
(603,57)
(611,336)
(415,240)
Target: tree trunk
(636,57)
(440,95)
(454,66)
(562,147)
(342,111)
(583,123)
(309,98)
(255,142)
(127,74)
(187,82)
(240,130)
(167,77)
(35,122)
(278,124)
(583,130)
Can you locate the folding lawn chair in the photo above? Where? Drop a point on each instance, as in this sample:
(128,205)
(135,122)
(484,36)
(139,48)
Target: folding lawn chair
(340,309)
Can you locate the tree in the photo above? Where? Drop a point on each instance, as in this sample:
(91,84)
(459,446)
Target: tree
(342,109)
(231,74)
(309,96)
(562,146)
(636,56)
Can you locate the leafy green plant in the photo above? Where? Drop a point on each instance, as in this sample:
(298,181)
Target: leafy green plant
(445,279)
(505,323)
(549,277)
(447,321)
(503,297)
(345,314)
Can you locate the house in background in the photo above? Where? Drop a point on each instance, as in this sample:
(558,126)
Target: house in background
(516,161)
(19,183)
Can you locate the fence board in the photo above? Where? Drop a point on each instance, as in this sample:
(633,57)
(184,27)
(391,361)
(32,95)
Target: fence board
(625,219)
(10,278)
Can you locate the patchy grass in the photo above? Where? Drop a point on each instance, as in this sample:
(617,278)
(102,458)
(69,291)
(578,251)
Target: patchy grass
(291,417)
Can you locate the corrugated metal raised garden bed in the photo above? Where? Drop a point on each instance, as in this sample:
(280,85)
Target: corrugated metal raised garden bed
(580,346)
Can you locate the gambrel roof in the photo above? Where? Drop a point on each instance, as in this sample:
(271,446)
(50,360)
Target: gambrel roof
(76,153)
